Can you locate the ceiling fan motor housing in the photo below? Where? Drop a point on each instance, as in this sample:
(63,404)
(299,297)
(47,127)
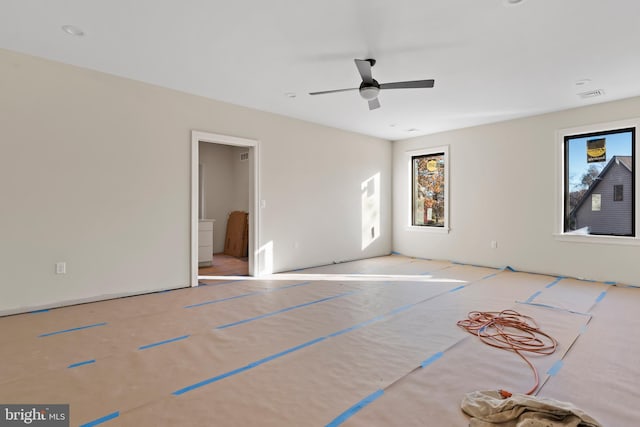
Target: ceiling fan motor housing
(369,91)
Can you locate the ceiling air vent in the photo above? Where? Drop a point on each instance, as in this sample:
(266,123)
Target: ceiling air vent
(244,157)
(591,93)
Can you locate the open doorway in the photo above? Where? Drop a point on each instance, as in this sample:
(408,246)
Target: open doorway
(224,168)
(224,206)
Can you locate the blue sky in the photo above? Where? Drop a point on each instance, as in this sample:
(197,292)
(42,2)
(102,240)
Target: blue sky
(618,144)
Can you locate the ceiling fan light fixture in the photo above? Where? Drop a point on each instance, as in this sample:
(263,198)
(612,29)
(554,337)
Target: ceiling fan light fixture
(369,93)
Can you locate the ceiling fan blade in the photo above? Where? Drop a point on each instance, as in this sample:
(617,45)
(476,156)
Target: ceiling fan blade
(332,91)
(415,84)
(374,103)
(364,68)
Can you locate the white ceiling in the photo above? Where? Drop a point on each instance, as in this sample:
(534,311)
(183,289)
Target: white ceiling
(491,61)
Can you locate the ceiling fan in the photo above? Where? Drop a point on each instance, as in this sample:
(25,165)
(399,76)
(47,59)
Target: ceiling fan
(369,88)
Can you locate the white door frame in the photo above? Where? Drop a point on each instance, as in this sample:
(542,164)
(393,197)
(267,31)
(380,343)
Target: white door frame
(254,195)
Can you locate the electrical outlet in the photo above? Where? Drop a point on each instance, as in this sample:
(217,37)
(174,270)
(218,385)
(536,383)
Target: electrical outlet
(61,268)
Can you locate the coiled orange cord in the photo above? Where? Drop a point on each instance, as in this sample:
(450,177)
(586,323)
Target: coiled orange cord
(510,330)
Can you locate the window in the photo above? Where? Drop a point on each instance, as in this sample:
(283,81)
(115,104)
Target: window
(598,171)
(618,191)
(429,191)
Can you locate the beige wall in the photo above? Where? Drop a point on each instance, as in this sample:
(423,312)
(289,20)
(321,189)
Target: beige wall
(503,188)
(95,171)
(240,180)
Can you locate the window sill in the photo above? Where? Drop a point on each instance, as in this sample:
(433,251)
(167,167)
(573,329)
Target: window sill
(427,229)
(602,240)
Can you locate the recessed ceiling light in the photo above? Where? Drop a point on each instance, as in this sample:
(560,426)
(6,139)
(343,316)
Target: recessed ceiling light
(290,94)
(392,125)
(73,30)
(512,2)
(583,82)
(413,130)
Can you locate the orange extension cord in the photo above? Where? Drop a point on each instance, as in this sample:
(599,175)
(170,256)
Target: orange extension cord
(510,330)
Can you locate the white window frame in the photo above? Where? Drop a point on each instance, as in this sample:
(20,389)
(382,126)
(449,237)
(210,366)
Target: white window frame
(559,233)
(425,152)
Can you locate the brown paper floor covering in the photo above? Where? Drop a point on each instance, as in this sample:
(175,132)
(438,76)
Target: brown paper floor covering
(366,343)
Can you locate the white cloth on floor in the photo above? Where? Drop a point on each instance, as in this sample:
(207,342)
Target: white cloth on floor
(489,409)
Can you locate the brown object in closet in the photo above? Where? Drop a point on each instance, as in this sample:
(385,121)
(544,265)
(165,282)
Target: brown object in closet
(236,242)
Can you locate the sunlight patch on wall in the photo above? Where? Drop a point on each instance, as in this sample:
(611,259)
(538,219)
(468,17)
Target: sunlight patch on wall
(370,210)
(264,259)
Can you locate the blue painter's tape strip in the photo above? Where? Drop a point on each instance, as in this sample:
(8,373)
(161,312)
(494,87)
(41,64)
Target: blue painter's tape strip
(210,380)
(102,420)
(418,258)
(400,309)
(555,282)
(432,359)
(248,294)
(218,284)
(508,268)
(610,283)
(534,296)
(601,296)
(349,329)
(372,320)
(285,352)
(357,326)
(44,310)
(156,344)
(355,409)
(583,329)
(457,289)
(284,310)
(553,371)
(458,263)
(246,367)
(200,304)
(72,329)
(288,286)
(489,276)
(86,362)
(395,253)
(536,304)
